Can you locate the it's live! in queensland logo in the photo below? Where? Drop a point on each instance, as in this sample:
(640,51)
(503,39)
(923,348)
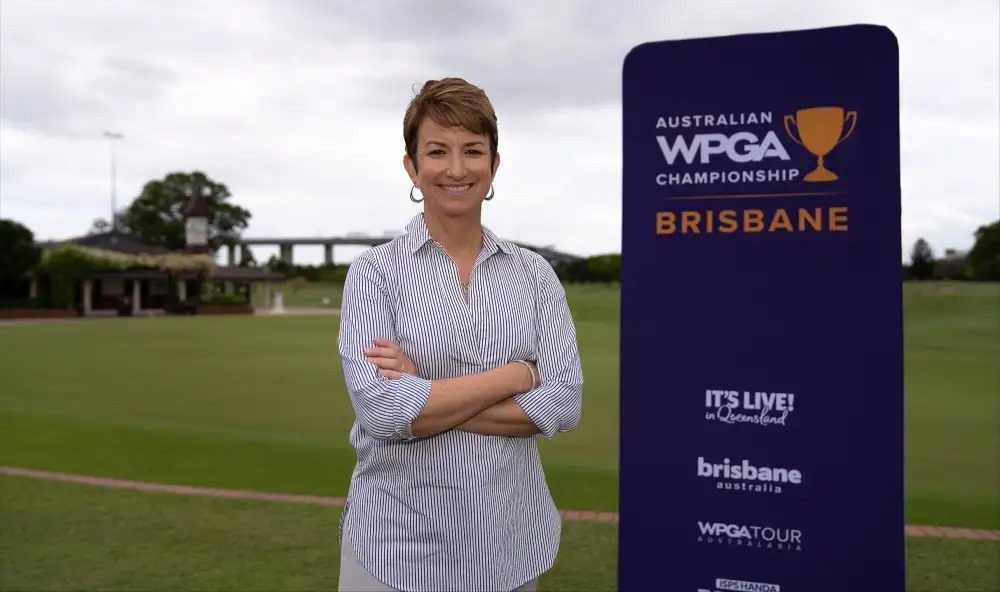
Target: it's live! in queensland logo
(711,157)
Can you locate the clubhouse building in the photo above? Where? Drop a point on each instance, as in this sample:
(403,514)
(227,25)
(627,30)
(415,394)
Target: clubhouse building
(151,289)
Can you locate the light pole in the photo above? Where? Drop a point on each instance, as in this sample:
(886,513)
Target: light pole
(114,137)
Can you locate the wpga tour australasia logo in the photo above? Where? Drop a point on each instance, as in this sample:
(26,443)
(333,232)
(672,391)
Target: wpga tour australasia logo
(750,536)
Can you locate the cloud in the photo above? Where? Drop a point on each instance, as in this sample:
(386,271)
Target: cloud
(297,106)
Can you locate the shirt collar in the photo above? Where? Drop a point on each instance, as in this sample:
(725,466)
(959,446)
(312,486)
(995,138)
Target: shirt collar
(417,236)
(416,233)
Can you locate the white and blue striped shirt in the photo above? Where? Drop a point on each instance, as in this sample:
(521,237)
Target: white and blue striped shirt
(457,510)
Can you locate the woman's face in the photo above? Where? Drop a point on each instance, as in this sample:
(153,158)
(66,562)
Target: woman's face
(453,169)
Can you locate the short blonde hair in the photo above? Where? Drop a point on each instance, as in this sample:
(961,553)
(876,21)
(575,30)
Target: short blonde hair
(449,102)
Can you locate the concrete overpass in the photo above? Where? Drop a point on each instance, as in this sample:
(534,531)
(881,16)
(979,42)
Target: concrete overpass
(286,246)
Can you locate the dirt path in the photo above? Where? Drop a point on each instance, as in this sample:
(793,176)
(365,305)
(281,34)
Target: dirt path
(300,311)
(945,532)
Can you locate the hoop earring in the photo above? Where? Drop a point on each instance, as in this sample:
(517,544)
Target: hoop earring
(491,194)
(411,195)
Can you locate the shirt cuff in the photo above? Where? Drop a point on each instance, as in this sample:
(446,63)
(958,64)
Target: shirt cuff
(411,396)
(539,409)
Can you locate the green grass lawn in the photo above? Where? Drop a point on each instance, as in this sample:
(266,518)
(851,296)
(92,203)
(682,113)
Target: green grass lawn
(243,402)
(952,383)
(58,536)
(309,295)
(259,403)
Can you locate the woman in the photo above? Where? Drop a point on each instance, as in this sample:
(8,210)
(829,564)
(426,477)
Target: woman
(458,348)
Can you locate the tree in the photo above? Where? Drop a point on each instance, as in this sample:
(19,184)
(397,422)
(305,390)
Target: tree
(984,258)
(605,268)
(246,258)
(597,268)
(156,217)
(18,255)
(99,226)
(921,260)
(951,266)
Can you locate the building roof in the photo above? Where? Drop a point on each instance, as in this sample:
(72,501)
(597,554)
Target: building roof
(113,241)
(222,274)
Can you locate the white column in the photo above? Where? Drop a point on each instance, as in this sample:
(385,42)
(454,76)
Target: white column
(88,297)
(267,295)
(33,289)
(136,296)
(181,289)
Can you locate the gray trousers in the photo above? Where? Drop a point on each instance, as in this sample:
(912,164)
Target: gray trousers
(355,578)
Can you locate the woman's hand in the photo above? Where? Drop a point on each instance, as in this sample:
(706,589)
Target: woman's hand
(389,359)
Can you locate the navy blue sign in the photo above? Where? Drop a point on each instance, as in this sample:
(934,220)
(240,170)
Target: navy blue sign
(761,350)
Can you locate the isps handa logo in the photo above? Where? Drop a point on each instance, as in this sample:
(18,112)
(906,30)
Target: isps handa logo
(731,585)
(732,159)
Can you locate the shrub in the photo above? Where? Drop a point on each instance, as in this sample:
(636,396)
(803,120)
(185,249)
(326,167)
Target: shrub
(225,300)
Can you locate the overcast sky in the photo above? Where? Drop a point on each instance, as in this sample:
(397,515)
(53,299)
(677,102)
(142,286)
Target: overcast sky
(297,106)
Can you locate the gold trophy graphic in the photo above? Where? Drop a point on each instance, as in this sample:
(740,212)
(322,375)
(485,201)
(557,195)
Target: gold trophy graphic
(820,129)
